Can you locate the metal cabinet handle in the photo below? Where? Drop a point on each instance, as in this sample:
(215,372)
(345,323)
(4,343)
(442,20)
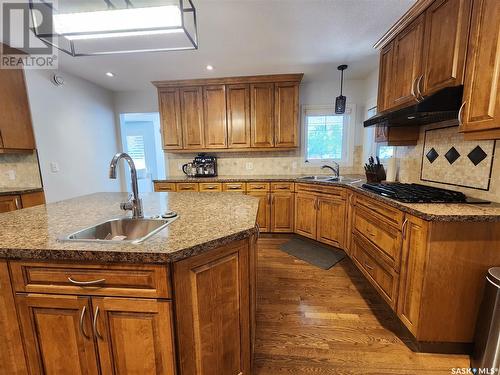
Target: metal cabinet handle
(94,324)
(403,228)
(419,93)
(82,317)
(259,187)
(211,187)
(235,187)
(460,122)
(368,266)
(17,202)
(413,89)
(92,282)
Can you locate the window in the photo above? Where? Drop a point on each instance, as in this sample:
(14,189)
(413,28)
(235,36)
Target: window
(385,152)
(326,135)
(135,148)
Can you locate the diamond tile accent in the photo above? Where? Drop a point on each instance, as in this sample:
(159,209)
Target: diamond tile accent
(477,155)
(452,155)
(432,155)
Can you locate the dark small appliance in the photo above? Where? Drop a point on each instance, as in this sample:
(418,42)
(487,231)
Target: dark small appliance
(206,165)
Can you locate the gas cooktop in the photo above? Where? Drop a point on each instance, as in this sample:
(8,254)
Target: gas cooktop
(415,193)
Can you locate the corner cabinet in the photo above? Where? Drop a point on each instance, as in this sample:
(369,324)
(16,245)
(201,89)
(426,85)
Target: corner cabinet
(481,101)
(257,113)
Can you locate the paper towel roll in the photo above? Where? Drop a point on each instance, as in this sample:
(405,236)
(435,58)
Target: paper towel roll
(392,169)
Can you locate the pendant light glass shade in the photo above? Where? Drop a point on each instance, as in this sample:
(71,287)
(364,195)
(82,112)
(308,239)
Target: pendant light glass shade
(101,27)
(340,101)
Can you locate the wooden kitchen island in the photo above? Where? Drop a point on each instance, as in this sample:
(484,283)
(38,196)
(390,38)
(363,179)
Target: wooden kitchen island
(182,302)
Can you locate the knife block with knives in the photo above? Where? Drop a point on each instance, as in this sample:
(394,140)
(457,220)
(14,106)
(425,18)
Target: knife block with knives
(375,172)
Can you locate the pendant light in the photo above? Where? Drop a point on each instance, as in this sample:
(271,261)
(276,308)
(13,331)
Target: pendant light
(340,100)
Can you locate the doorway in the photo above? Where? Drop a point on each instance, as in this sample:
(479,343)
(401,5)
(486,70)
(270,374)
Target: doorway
(141,139)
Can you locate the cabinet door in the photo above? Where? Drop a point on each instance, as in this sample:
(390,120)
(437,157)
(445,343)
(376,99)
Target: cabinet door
(384,99)
(286,114)
(238,116)
(170,114)
(11,347)
(262,114)
(482,83)
(213,311)
(407,63)
(414,253)
(10,203)
(57,333)
(305,214)
(192,117)
(134,336)
(445,44)
(214,116)
(331,221)
(264,213)
(282,207)
(349,226)
(32,199)
(16,131)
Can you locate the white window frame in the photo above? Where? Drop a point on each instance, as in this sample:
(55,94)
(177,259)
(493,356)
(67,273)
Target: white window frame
(347,157)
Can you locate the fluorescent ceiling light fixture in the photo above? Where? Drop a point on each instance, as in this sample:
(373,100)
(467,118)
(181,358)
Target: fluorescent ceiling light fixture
(110,74)
(93,24)
(89,28)
(210,67)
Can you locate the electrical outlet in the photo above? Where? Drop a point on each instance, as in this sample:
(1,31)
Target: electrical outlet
(249,166)
(11,174)
(54,166)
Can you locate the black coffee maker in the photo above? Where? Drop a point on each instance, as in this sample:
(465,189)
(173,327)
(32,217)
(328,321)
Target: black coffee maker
(206,165)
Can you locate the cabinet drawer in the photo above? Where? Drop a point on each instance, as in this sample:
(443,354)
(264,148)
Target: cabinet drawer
(210,186)
(149,281)
(390,215)
(258,186)
(383,278)
(282,186)
(234,186)
(187,186)
(164,186)
(386,238)
(322,189)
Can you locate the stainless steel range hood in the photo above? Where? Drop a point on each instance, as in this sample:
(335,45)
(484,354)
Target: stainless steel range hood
(441,106)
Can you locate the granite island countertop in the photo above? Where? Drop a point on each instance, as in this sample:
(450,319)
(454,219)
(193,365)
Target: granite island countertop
(18,190)
(451,212)
(206,221)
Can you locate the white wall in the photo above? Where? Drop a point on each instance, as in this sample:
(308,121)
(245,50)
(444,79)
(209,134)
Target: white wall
(74,126)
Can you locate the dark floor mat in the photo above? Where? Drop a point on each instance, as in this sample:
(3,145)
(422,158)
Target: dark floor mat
(314,253)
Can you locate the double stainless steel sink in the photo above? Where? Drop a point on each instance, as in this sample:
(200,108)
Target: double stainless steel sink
(120,230)
(320,178)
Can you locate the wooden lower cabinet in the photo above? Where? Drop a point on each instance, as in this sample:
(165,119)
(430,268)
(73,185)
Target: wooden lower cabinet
(213,305)
(12,360)
(134,336)
(282,207)
(57,333)
(305,214)
(10,203)
(264,213)
(331,218)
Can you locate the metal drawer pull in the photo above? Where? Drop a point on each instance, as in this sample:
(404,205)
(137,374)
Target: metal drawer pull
(235,187)
(403,228)
(259,187)
(211,187)
(92,282)
(368,266)
(94,324)
(82,316)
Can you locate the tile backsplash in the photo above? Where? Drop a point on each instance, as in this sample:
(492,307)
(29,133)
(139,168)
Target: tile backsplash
(263,163)
(454,165)
(19,170)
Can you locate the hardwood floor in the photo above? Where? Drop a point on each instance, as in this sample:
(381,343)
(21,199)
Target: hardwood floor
(312,321)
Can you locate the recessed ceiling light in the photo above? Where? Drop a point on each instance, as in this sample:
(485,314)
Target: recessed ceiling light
(110,74)
(210,67)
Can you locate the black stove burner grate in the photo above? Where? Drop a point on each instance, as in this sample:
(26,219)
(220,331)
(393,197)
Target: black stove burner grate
(415,193)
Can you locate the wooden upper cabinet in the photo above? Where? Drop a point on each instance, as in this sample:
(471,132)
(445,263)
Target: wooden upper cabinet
(262,114)
(445,44)
(57,333)
(286,105)
(238,115)
(214,115)
(134,336)
(192,117)
(407,61)
(171,126)
(16,131)
(481,112)
(384,98)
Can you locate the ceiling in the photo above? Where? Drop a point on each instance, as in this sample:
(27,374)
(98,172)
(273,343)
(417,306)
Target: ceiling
(245,37)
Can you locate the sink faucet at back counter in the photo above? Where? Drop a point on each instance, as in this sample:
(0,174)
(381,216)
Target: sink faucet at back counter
(134,203)
(335,169)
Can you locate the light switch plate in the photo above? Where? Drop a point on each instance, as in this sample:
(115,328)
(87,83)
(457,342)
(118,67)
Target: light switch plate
(11,174)
(249,166)
(54,166)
